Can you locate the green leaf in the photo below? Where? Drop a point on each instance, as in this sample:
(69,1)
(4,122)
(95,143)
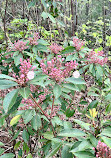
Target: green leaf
(43,42)
(9,155)
(15,119)
(44,15)
(51,18)
(34,49)
(10,100)
(16,105)
(25,136)
(54,151)
(16,134)
(5,84)
(82,146)
(65,152)
(93,104)
(61,23)
(36,122)
(71,86)
(72,133)
(69,57)
(17,59)
(25,148)
(25,92)
(30,114)
(42,48)
(1,151)
(68,49)
(108,97)
(93,140)
(93,94)
(75,80)
(83,124)
(57,91)
(1,144)
(48,135)
(99,71)
(32,4)
(29,156)
(6,77)
(84,154)
(106,132)
(38,78)
(70,113)
(106,141)
(17,145)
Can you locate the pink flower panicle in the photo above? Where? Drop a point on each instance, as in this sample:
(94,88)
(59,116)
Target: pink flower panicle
(24,69)
(33,41)
(97,58)
(28,104)
(103,151)
(55,48)
(55,70)
(77,43)
(20,46)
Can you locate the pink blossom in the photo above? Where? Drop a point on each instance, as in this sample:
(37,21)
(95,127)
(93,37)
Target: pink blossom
(97,58)
(77,43)
(33,41)
(54,69)
(24,74)
(20,46)
(102,150)
(55,48)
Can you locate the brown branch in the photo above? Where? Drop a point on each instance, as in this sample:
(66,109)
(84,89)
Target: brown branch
(52,106)
(43,113)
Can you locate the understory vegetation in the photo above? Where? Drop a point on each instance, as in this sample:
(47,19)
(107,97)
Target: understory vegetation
(55,79)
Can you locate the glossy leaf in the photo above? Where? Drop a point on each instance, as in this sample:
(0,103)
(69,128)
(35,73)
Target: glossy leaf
(10,100)
(72,133)
(75,80)
(57,91)
(25,92)
(4,84)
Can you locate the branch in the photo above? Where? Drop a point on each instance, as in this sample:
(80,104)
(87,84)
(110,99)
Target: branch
(43,113)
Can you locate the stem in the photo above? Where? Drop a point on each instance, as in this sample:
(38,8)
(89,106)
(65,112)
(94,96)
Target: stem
(43,113)
(52,106)
(39,106)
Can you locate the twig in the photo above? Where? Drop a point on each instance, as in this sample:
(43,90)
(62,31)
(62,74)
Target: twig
(43,113)
(52,106)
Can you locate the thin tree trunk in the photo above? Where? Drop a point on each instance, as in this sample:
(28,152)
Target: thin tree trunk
(4,23)
(104,28)
(72,12)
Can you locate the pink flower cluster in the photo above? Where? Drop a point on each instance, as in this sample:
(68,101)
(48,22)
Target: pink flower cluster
(103,150)
(28,104)
(77,43)
(33,41)
(55,70)
(97,58)
(55,48)
(24,69)
(20,46)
